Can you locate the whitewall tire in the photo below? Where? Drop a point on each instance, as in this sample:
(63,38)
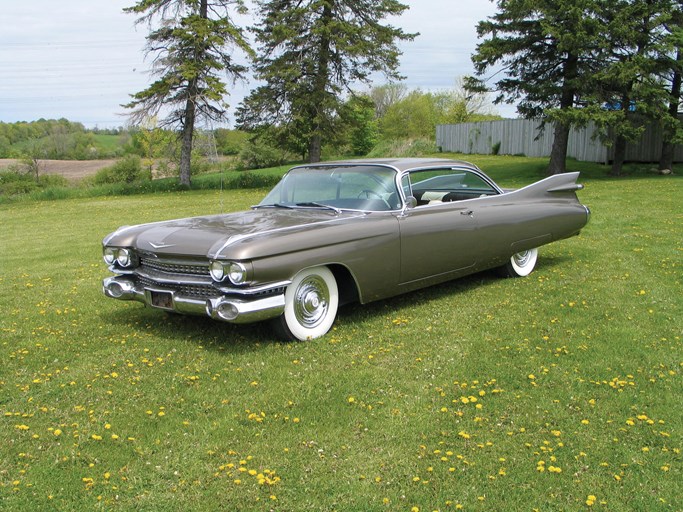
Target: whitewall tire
(311,303)
(521,264)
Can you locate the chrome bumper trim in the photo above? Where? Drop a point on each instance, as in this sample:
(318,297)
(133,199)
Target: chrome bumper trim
(227,309)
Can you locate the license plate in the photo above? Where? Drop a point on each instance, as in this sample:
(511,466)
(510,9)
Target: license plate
(163,300)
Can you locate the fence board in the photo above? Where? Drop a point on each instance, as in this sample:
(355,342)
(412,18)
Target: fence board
(530,138)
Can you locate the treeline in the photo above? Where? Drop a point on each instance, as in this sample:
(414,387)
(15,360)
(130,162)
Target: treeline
(50,139)
(369,123)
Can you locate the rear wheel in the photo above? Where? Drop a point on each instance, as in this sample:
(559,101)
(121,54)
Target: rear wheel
(311,304)
(520,265)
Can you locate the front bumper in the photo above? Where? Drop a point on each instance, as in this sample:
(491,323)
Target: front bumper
(238,310)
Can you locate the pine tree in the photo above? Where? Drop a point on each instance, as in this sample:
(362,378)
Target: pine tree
(310,54)
(546,48)
(192,52)
(629,83)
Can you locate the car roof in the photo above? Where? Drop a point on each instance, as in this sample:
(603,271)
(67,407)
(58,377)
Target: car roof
(400,164)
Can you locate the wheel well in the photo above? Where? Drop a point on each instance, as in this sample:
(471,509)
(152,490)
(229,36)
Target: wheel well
(348,290)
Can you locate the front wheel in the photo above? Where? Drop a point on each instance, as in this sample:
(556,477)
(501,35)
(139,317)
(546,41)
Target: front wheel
(311,304)
(520,265)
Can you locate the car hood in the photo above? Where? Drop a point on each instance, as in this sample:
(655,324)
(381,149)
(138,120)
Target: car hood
(214,236)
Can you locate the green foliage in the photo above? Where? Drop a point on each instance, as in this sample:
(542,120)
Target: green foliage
(417,113)
(16,182)
(247,180)
(154,142)
(126,170)
(310,55)
(59,140)
(260,152)
(578,61)
(359,114)
(412,117)
(230,142)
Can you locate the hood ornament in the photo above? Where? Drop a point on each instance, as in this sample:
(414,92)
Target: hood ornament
(160,245)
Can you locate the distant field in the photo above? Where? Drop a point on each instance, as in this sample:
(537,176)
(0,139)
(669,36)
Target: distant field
(561,391)
(73,170)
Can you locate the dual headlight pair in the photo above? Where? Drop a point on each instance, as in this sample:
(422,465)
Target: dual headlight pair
(234,271)
(125,258)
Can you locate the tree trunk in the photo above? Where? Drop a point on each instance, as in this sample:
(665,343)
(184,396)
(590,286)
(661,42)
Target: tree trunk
(319,89)
(315,148)
(187,134)
(666,159)
(619,155)
(186,143)
(558,153)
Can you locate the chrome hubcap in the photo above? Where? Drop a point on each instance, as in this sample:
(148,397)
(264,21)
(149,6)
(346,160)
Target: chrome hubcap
(311,301)
(522,258)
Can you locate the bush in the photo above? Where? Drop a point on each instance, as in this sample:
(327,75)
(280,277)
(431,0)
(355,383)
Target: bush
(127,170)
(258,154)
(252,180)
(14,182)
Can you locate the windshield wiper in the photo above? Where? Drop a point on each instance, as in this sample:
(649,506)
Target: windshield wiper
(320,205)
(306,204)
(275,205)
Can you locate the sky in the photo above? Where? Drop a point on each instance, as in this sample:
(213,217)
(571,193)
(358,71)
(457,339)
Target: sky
(82,59)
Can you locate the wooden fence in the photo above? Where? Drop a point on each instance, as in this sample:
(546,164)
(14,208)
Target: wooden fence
(528,137)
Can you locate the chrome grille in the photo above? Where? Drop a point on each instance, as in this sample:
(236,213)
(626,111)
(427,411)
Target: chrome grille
(175,268)
(201,291)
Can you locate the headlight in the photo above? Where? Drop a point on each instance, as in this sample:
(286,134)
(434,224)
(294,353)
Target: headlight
(109,254)
(237,273)
(124,258)
(232,270)
(217,271)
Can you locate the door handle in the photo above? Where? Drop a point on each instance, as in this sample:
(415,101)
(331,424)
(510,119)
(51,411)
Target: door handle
(467,212)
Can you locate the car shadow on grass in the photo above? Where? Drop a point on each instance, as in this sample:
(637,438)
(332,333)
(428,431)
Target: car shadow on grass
(213,334)
(433,294)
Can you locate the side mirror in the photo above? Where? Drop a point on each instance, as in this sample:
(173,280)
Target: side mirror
(411,202)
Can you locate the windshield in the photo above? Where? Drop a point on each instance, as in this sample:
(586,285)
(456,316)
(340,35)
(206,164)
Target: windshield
(362,187)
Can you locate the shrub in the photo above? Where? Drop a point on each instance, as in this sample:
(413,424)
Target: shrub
(253,180)
(258,154)
(127,170)
(14,182)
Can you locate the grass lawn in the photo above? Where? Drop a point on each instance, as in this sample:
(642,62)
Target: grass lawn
(561,391)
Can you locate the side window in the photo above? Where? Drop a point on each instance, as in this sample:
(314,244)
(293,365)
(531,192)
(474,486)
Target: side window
(475,182)
(435,186)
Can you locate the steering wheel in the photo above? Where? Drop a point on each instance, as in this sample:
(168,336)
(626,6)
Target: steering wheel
(372,193)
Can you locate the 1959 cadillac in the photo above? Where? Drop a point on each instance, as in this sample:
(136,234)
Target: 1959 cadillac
(336,232)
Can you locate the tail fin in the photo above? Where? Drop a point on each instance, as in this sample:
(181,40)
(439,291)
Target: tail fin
(558,184)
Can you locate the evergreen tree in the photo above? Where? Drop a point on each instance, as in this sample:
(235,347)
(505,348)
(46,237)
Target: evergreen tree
(192,51)
(310,54)
(629,83)
(546,49)
(672,125)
